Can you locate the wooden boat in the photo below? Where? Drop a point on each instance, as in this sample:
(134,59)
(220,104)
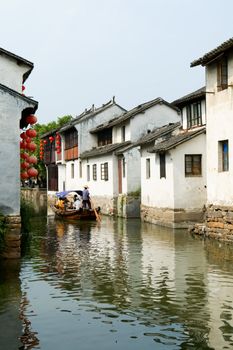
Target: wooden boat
(73,214)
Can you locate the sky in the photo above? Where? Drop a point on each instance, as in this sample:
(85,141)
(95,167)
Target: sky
(87,51)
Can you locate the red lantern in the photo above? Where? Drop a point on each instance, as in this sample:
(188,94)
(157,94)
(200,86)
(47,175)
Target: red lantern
(23,145)
(23,87)
(25,165)
(28,139)
(31,119)
(32,159)
(45,141)
(23,135)
(51,138)
(32,172)
(31,146)
(24,155)
(24,175)
(31,133)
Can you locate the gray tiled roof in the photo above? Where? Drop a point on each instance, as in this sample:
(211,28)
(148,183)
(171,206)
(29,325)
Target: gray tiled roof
(127,115)
(176,140)
(209,56)
(98,151)
(18,95)
(152,136)
(200,93)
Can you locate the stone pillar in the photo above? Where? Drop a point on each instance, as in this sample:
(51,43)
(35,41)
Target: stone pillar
(12,237)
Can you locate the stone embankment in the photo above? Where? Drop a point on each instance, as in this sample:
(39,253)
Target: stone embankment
(218,223)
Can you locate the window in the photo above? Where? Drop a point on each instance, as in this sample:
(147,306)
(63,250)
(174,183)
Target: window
(94,172)
(192,164)
(71,139)
(148,168)
(105,137)
(194,114)
(162,161)
(80,170)
(72,170)
(222,74)
(223,152)
(123,133)
(123,167)
(104,171)
(88,172)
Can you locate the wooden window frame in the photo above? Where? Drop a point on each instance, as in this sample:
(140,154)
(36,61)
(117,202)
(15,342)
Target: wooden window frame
(194,114)
(147,168)
(94,172)
(104,171)
(162,163)
(123,167)
(223,155)
(222,73)
(88,172)
(72,171)
(193,165)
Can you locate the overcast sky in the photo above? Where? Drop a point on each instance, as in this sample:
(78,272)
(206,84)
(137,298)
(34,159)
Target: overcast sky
(86,51)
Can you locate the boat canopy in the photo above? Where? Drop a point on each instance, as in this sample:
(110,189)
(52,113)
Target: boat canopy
(63,194)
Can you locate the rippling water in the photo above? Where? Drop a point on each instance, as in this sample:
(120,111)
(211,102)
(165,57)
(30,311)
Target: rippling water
(120,285)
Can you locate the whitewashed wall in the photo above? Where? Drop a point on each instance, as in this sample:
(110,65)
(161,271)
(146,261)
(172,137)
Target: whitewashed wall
(156,192)
(86,140)
(175,191)
(219,128)
(132,181)
(155,116)
(10,115)
(98,187)
(117,132)
(11,73)
(189,192)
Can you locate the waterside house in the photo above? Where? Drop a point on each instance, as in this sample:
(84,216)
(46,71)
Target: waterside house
(173,171)
(218,65)
(113,165)
(14,109)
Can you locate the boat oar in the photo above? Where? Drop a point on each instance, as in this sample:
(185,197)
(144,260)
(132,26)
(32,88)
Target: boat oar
(96,214)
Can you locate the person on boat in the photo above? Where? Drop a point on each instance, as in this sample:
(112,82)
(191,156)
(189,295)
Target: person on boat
(86,198)
(77,202)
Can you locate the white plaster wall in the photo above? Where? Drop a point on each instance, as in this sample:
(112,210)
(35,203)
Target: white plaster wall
(203,111)
(133,174)
(156,192)
(219,127)
(117,136)
(74,183)
(99,187)
(10,114)
(11,73)
(189,192)
(61,177)
(153,117)
(86,140)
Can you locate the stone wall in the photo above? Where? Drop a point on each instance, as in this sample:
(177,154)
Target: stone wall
(12,237)
(128,206)
(36,196)
(175,218)
(218,223)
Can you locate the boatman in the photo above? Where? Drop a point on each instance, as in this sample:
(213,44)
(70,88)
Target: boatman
(86,198)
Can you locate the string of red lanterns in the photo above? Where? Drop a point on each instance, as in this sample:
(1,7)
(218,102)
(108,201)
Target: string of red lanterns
(26,143)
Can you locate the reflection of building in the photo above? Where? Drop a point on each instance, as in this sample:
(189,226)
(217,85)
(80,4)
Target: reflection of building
(10,298)
(14,109)
(218,65)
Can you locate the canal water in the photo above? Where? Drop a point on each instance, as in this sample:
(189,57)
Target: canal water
(119,285)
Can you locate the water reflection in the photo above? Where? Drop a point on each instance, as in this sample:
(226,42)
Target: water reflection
(126,284)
